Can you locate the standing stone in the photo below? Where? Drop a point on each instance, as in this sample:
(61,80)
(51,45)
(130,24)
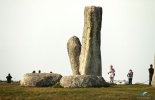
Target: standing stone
(74,49)
(90,57)
(153,78)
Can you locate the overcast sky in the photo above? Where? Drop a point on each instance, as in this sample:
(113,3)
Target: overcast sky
(34,35)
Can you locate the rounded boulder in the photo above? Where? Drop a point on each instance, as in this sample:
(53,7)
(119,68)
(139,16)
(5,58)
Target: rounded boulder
(40,79)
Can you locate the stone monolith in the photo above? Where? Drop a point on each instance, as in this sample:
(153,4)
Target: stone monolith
(90,57)
(74,49)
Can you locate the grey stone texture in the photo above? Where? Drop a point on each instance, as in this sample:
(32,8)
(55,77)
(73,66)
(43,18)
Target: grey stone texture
(86,59)
(40,79)
(90,57)
(153,78)
(74,49)
(82,81)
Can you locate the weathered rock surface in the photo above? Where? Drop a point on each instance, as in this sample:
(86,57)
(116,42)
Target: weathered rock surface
(74,49)
(40,79)
(82,81)
(90,57)
(153,78)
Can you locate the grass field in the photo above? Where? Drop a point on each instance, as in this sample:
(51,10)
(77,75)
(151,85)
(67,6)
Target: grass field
(14,91)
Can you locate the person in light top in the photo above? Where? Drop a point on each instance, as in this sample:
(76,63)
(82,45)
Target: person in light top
(111,74)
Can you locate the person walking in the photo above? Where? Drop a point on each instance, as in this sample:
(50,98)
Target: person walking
(111,74)
(151,71)
(130,76)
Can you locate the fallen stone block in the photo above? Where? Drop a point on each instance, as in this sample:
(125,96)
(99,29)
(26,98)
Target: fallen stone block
(82,81)
(40,79)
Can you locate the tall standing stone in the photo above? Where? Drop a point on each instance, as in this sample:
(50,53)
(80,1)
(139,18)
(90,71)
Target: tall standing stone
(90,57)
(87,56)
(74,49)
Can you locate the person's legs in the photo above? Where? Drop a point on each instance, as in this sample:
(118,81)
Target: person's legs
(130,80)
(111,79)
(150,79)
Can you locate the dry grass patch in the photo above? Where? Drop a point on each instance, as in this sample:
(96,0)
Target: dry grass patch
(14,91)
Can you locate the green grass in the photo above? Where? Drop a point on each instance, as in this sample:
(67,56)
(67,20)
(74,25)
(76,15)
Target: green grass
(14,91)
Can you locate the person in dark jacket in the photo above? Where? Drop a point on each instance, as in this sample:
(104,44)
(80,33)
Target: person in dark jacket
(130,76)
(8,78)
(151,71)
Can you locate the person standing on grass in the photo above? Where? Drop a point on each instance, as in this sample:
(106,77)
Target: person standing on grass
(130,76)
(151,71)
(111,74)
(8,78)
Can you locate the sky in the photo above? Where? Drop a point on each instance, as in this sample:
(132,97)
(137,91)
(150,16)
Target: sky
(34,35)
